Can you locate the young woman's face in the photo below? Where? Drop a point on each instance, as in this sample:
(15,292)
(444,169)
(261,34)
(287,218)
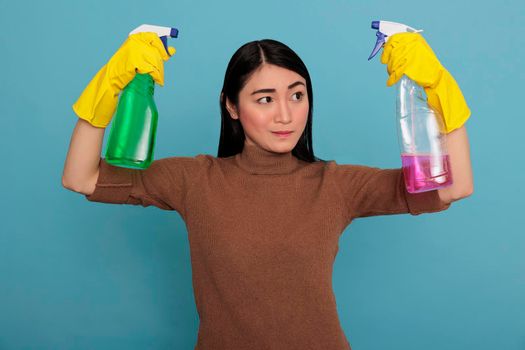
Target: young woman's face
(273,99)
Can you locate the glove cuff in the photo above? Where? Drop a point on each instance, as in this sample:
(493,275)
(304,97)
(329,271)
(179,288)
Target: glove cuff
(446,97)
(98,101)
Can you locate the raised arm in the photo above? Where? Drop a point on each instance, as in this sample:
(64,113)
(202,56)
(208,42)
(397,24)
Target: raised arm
(369,191)
(164,184)
(142,53)
(83,157)
(409,54)
(461,168)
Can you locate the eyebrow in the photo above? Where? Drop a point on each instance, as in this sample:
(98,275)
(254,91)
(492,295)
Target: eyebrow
(273,90)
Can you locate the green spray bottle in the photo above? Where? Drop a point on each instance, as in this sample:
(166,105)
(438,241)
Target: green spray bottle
(131,141)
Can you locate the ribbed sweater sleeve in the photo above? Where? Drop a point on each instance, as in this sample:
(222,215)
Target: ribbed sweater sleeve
(163,184)
(368,191)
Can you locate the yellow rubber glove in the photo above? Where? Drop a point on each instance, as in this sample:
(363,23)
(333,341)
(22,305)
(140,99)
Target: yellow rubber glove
(142,53)
(409,54)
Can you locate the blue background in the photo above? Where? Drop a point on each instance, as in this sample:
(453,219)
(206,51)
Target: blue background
(82,275)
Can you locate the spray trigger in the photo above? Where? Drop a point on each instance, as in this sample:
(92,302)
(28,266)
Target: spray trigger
(381,38)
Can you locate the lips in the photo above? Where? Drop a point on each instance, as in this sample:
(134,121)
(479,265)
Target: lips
(282,132)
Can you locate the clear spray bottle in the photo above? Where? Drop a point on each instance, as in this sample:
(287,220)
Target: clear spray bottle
(131,141)
(421,131)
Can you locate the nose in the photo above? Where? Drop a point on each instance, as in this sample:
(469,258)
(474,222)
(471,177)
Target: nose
(283,115)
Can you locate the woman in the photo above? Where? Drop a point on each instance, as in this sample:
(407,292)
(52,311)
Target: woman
(265,216)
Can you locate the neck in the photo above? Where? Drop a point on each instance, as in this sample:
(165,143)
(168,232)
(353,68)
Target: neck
(257,160)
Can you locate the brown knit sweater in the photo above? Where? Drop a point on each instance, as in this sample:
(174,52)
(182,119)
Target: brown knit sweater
(263,229)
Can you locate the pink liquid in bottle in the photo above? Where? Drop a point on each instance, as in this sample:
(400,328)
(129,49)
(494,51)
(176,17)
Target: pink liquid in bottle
(425,173)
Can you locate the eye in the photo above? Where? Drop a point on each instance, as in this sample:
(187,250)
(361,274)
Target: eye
(262,98)
(300,94)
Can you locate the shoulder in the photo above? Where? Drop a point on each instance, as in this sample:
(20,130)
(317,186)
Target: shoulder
(319,168)
(356,173)
(197,160)
(334,166)
(199,163)
(184,164)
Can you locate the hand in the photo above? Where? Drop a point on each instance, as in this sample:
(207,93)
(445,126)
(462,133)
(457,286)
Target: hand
(140,53)
(410,54)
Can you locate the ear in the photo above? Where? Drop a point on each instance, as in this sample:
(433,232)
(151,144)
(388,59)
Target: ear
(231,109)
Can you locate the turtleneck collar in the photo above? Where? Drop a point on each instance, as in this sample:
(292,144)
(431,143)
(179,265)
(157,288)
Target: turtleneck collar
(257,160)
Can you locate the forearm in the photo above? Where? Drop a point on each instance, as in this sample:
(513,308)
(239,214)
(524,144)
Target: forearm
(461,167)
(83,157)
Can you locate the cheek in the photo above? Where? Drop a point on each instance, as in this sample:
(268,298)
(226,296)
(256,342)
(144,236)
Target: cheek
(302,112)
(255,118)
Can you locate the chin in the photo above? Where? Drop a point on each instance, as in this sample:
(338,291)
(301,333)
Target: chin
(283,148)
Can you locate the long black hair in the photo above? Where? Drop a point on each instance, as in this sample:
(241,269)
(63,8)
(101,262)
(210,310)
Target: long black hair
(244,62)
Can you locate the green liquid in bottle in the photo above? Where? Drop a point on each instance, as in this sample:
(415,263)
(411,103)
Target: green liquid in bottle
(132,137)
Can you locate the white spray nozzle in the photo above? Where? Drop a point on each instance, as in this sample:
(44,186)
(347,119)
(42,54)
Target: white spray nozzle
(162,32)
(386,29)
